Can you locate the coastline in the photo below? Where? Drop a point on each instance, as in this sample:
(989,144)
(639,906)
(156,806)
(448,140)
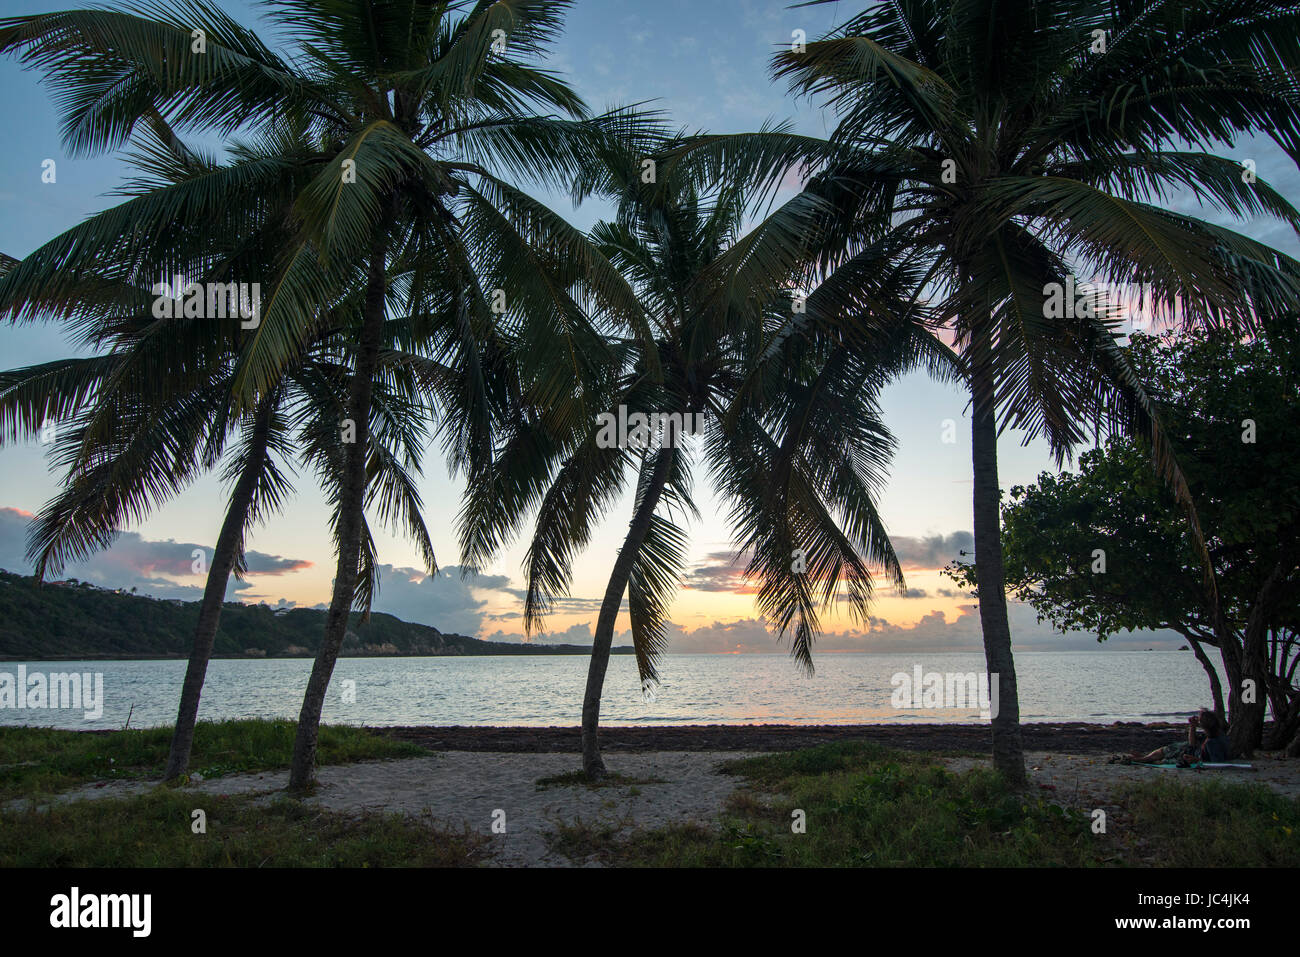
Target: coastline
(1063,737)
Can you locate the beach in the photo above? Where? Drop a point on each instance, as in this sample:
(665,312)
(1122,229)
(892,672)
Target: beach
(1074,737)
(518,790)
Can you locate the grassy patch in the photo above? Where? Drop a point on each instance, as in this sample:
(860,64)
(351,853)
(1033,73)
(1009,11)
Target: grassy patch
(771,770)
(154,830)
(866,805)
(575,779)
(580,840)
(1214,824)
(43,761)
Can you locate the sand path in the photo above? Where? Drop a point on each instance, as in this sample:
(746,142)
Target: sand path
(466,789)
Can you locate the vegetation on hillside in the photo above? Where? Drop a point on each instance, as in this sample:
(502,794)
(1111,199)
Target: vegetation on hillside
(79,620)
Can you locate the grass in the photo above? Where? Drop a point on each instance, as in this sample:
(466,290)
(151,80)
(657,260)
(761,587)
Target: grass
(580,841)
(574,779)
(1215,824)
(865,805)
(155,830)
(35,762)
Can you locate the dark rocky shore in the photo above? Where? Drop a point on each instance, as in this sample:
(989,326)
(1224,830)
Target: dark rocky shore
(1074,738)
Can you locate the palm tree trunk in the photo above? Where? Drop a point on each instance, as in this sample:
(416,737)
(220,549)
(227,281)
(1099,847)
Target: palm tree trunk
(302,769)
(1008,752)
(592,764)
(214,593)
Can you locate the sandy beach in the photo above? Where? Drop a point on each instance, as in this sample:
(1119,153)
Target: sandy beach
(463,789)
(1072,737)
(470,790)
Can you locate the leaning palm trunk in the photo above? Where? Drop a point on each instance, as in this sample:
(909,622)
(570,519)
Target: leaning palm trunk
(349,531)
(214,593)
(1008,753)
(592,764)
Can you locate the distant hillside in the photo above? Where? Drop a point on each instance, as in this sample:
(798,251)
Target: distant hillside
(78,620)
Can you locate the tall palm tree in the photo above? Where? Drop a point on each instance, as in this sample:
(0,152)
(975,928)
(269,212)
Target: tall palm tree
(139,422)
(1000,148)
(422,109)
(792,437)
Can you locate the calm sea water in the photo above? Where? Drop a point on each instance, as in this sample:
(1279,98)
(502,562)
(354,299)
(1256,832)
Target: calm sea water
(1101,686)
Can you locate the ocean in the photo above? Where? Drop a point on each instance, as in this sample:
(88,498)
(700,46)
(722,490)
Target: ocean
(1096,686)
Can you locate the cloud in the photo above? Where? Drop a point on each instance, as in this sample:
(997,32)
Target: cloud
(579,634)
(136,562)
(146,557)
(568,605)
(932,551)
(719,571)
(259,563)
(932,633)
(448,601)
(743,636)
(724,571)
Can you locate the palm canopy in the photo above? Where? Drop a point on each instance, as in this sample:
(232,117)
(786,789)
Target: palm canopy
(995,149)
(142,419)
(792,439)
(421,115)
(999,151)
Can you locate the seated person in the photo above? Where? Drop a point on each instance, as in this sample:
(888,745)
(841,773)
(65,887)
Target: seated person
(1212,747)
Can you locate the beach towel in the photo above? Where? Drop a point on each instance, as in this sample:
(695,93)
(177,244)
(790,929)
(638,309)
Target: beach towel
(1206,765)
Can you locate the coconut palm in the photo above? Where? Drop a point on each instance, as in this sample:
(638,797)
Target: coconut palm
(138,422)
(1000,149)
(425,113)
(155,452)
(791,436)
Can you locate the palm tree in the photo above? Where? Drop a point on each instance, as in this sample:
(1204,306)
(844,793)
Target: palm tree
(138,424)
(1000,148)
(792,440)
(415,106)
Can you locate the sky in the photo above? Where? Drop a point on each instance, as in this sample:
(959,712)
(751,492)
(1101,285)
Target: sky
(706,65)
